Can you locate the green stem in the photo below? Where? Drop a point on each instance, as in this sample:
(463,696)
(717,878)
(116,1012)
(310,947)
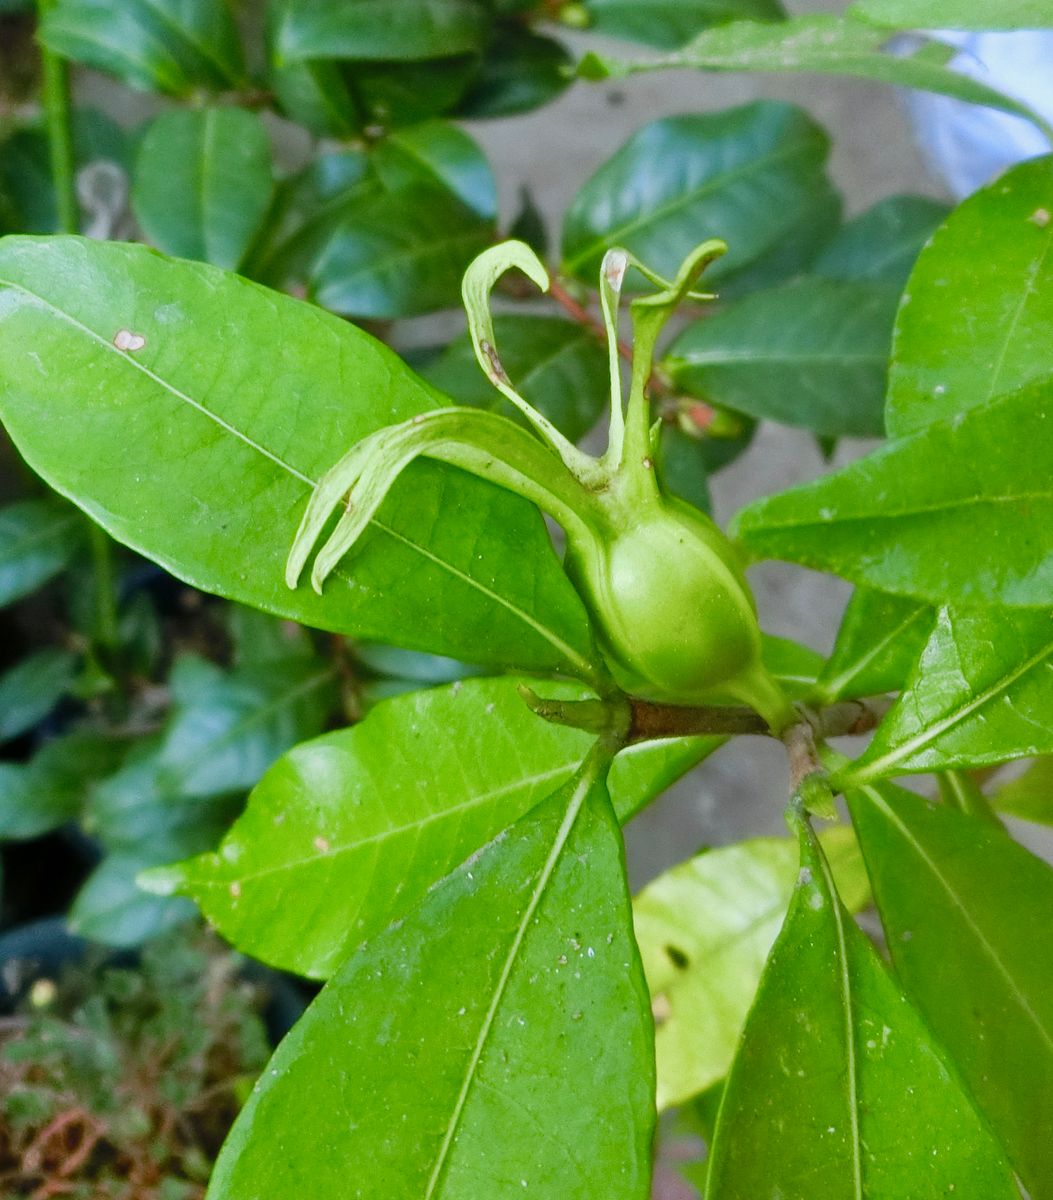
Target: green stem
(959,790)
(56,100)
(106,632)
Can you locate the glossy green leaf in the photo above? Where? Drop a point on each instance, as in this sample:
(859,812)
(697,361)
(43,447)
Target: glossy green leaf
(202,183)
(982,692)
(880,641)
(437,153)
(812,353)
(752,175)
(349,831)
(977,312)
(838,1090)
(520,71)
(982,480)
(497,1041)
(704,930)
(882,243)
(52,787)
(169,47)
(957,14)
(317,95)
(37,540)
(669,23)
(392,94)
(380,29)
(400,254)
(200,449)
(559,367)
(31,689)
(795,666)
(966,914)
(825,45)
(1029,796)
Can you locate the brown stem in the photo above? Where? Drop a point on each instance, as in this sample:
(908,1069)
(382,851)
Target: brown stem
(650,721)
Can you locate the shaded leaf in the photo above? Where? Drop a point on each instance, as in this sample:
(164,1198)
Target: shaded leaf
(669,23)
(437,154)
(795,666)
(976,316)
(181,460)
(1030,796)
(37,540)
(110,908)
(965,911)
(838,1089)
(753,175)
(403,93)
(812,353)
(523,1056)
(316,94)
(520,71)
(957,14)
(31,689)
(882,243)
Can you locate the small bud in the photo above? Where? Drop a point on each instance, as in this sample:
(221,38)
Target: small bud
(575,16)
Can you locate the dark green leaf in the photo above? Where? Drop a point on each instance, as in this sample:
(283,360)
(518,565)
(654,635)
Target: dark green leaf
(811,353)
(377,29)
(520,71)
(497,1041)
(981,693)
(669,23)
(882,243)
(880,640)
(838,1090)
(982,480)
(559,367)
(977,312)
(957,14)
(321,860)
(404,93)
(37,540)
(260,640)
(203,183)
(1030,796)
(753,175)
(437,153)
(966,915)
(200,449)
(683,468)
(32,688)
(316,95)
(529,224)
(169,47)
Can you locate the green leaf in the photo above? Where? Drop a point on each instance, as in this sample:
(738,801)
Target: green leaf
(880,640)
(399,255)
(317,95)
(111,909)
(31,689)
(705,929)
(976,316)
(838,1089)
(559,367)
(169,47)
(825,45)
(981,693)
(38,538)
(523,1056)
(796,667)
(882,243)
(754,175)
(403,93)
(669,23)
(203,183)
(1030,796)
(957,14)
(176,455)
(321,859)
(437,153)
(380,29)
(52,787)
(520,71)
(811,353)
(983,479)
(965,911)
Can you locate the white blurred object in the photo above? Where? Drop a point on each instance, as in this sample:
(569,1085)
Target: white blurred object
(966,145)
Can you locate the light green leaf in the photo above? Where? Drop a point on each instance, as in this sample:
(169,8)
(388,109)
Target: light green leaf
(437,153)
(982,480)
(174,46)
(558,367)
(201,447)
(349,831)
(838,1091)
(794,665)
(812,353)
(981,693)
(753,175)
(203,183)
(1030,796)
(882,243)
(380,29)
(978,308)
(31,689)
(704,930)
(966,915)
(495,1042)
(669,23)
(825,45)
(38,538)
(957,14)
(880,640)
